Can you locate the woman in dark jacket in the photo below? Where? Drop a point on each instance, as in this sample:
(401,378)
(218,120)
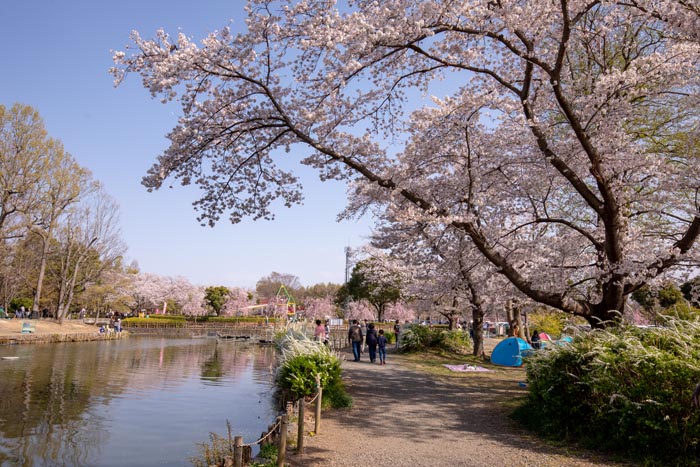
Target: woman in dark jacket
(371,341)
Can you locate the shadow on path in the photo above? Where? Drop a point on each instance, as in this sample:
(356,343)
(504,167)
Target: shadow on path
(404,417)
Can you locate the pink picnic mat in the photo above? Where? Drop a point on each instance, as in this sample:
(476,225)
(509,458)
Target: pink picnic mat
(466,368)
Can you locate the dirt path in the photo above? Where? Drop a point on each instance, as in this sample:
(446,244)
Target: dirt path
(404,417)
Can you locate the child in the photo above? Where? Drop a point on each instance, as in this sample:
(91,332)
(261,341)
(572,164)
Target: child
(381,341)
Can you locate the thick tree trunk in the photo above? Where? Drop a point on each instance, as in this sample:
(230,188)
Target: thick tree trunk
(607,313)
(477,320)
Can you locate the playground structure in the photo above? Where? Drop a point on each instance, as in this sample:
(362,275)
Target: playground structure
(283,305)
(289,304)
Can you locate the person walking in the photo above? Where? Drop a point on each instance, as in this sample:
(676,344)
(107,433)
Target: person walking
(381,342)
(397,333)
(371,339)
(320,332)
(355,339)
(327,329)
(363,328)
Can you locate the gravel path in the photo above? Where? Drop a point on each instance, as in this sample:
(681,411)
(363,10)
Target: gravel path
(405,417)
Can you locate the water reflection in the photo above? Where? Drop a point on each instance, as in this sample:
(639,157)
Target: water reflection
(138,401)
(212,369)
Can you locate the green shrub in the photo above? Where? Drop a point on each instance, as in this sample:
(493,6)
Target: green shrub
(550,322)
(625,389)
(18,302)
(301,360)
(455,341)
(417,338)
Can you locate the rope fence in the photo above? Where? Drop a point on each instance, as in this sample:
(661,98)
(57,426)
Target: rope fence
(242,453)
(312,400)
(264,436)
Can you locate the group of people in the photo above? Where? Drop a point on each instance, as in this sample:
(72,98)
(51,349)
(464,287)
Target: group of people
(361,336)
(22,313)
(322,331)
(366,335)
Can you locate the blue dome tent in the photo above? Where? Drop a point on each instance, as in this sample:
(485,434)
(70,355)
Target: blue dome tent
(510,352)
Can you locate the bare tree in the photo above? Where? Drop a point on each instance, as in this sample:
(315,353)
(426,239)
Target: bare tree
(90,243)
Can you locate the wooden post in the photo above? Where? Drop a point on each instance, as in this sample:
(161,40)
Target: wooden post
(300,423)
(238,451)
(319,398)
(282,441)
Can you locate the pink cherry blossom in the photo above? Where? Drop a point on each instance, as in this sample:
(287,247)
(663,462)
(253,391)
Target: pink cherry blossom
(560,139)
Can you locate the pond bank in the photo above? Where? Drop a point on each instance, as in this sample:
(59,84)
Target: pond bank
(48,331)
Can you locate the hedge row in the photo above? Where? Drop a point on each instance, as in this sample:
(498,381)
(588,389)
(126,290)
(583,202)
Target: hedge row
(627,390)
(179,320)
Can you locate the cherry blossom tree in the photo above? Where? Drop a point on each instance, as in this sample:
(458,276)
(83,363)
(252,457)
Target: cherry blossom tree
(151,292)
(360,310)
(188,297)
(237,302)
(561,138)
(320,307)
(443,270)
(401,311)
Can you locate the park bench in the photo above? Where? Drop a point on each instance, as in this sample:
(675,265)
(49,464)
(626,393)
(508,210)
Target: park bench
(28,327)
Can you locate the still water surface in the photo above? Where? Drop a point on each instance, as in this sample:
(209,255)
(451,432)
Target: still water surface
(132,402)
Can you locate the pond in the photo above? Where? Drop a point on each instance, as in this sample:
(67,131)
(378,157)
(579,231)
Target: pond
(139,401)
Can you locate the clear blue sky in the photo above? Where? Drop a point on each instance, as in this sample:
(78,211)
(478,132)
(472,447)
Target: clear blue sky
(55,57)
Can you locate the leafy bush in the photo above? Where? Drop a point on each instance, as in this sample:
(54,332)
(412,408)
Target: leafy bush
(551,322)
(17,303)
(624,389)
(417,338)
(457,342)
(301,360)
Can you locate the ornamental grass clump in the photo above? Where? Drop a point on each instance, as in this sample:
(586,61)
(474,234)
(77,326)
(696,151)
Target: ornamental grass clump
(301,359)
(625,389)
